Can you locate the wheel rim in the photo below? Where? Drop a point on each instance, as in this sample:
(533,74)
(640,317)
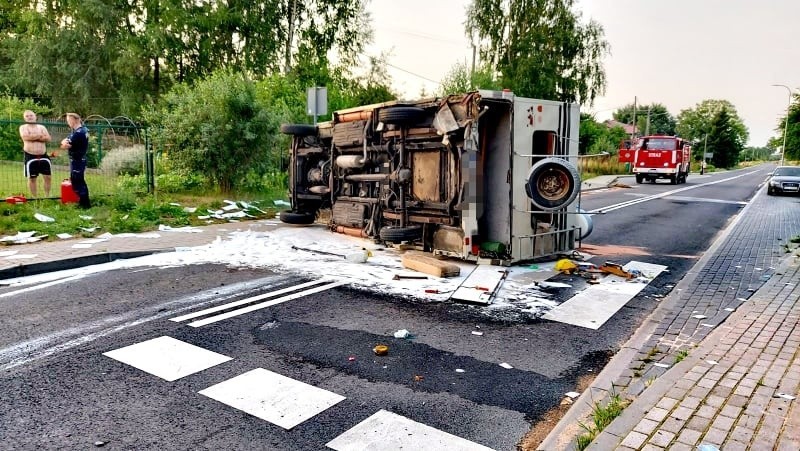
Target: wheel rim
(553,185)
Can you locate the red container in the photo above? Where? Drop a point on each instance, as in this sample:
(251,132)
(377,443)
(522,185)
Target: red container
(68,195)
(20,199)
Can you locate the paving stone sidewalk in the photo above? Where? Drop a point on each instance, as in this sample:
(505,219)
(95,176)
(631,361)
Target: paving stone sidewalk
(730,392)
(736,321)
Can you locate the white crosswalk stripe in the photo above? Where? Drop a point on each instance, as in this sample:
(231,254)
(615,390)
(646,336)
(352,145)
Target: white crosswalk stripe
(167,358)
(272,397)
(388,431)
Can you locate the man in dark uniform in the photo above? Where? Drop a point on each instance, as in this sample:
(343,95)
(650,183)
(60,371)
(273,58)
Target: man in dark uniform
(77,144)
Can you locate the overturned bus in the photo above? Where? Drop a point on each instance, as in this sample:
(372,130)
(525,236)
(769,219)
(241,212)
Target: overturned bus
(476,175)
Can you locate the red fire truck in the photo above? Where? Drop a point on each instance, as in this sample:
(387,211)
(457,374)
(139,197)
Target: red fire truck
(657,157)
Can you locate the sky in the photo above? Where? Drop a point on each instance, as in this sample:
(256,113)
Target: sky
(719,49)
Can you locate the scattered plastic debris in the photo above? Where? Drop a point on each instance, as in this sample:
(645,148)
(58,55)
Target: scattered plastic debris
(43,218)
(22,238)
(712,362)
(707,447)
(85,217)
(185,229)
(352,358)
(565,265)
(546,285)
(402,333)
(189,209)
(475,332)
(699,316)
(572,394)
(661,365)
(459,370)
(89,229)
(784,396)
(282,203)
(64,236)
(506,366)
(381,350)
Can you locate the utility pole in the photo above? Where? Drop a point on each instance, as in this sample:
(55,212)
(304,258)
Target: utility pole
(633,135)
(647,127)
(786,123)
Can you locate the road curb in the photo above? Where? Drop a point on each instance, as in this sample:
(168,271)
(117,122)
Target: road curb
(73,263)
(568,428)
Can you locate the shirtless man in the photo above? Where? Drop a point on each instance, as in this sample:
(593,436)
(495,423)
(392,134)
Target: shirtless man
(34,136)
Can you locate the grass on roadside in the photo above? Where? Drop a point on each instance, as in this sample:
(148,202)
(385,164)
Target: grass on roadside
(123,212)
(602,416)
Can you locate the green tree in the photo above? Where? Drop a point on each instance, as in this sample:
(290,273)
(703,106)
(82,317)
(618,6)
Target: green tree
(217,128)
(459,79)
(540,48)
(695,123)
(724,140)
(110,57)
(653,119)
(596,137)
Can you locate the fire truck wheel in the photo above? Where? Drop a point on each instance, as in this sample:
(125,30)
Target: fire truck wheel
(401,115)
(673,179)
(399,234)
(299,129)
(639,178)
(553,183)
(296,217)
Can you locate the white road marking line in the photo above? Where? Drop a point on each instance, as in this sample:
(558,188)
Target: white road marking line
(252,308)
(42,285)
(592,307)
(28,351)
(272,397)
(167,358)
(219,308)
(387,430)
(664,194)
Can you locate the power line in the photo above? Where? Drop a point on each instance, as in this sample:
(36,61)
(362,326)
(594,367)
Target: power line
(431,37)
(401,69)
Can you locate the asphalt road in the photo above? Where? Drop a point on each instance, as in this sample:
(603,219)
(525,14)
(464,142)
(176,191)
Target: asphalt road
(60,392)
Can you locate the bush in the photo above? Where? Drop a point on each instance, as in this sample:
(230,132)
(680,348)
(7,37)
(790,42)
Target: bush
(177,182)
(124,160)
(132,183)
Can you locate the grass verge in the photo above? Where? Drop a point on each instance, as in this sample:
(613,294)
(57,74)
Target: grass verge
(602,416)
(125,213)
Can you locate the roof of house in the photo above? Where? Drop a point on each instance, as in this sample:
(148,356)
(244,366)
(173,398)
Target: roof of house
(611,123)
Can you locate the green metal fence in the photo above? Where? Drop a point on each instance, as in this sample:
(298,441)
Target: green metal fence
(119,152)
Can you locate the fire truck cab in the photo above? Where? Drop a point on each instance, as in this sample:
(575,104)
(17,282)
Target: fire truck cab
(660,157)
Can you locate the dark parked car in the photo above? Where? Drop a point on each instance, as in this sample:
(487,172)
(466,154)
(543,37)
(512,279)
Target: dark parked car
(785,179)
